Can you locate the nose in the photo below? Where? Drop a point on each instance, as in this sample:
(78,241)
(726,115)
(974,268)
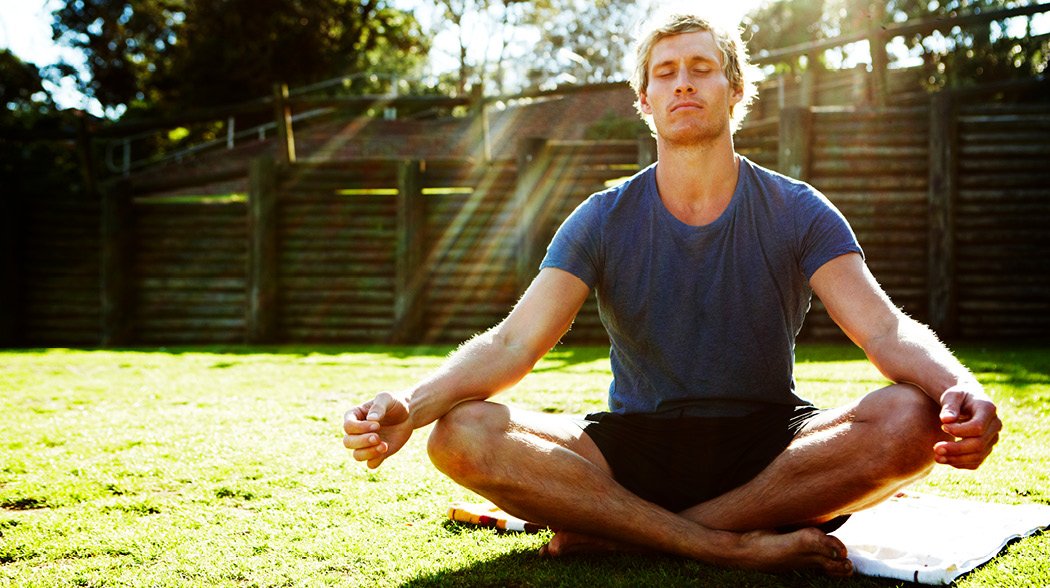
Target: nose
(684,85)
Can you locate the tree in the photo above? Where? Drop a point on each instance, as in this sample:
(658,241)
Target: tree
(485,30)
(174,54)
(21,88)
(965,55)
(29,166)
(584,42)
(237,49)
(973,54)
(775,25)
(127,45)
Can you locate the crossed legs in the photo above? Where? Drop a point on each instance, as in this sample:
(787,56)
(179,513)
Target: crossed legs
(545,469)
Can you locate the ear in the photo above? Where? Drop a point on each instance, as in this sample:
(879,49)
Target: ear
(736,95)
(643,103)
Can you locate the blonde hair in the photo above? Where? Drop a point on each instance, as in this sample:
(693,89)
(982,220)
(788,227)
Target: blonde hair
(734,59)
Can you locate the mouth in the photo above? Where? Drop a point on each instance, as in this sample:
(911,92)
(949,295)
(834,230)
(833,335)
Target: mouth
(685,105)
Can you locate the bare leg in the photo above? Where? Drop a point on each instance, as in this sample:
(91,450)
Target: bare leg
(546,470)
(846,460)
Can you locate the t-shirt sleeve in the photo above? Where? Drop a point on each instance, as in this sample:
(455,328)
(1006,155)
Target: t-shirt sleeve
(823,233)
(575,247)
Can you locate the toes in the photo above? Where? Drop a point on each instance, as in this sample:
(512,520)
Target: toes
(839,568)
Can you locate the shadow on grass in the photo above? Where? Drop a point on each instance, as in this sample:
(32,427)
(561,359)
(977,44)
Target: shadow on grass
(525,569)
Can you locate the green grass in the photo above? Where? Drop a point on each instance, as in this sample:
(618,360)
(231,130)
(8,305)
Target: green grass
(224,466)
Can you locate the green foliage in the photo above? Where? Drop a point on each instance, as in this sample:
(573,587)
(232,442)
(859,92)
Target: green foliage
(22,92)
(224,467)
(611,126)
(968,55)
(171,54)
(584,42)
(786,23)
(29,167)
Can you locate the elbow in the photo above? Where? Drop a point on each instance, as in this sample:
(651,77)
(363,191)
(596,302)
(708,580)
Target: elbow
(882,333)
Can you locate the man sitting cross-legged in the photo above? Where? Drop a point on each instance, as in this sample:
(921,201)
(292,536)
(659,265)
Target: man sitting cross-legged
(704,266)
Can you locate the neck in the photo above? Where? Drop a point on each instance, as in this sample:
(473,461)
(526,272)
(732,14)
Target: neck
(696,182)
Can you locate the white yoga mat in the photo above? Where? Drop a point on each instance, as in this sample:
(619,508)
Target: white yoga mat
(934,540)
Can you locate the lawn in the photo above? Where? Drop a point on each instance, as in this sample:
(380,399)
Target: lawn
(224,466)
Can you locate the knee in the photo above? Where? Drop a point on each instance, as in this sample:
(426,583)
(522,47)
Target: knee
(908,426)
(458,443)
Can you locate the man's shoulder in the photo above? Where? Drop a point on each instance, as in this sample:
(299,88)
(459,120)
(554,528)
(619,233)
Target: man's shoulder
(782,190)
(769,178)
(628,192)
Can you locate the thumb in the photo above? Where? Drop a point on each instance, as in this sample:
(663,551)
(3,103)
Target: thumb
(379,407)
(951,405)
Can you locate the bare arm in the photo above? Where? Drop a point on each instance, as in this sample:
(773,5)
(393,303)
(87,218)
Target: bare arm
(906,351)
(481,367)
(503,355)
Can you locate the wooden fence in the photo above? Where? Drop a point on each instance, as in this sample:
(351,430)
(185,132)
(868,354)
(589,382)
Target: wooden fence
(949,201)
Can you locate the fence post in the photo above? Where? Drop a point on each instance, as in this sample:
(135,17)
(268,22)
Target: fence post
(530,172)
(10,290)
(793,151)
(877,47)
(807,92)
(411,239)
(943,188)
(283,117)
(262,251)
(116,264)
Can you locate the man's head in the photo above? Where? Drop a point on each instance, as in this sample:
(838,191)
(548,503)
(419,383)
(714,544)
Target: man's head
(733,53)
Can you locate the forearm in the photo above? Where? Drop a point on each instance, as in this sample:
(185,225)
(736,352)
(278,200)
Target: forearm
(909,352)
(480,368)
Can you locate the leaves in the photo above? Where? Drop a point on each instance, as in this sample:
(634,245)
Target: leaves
(166,55)
(977,53)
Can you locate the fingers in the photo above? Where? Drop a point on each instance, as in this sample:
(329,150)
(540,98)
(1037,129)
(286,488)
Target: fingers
(969,416)
(354,422)
(982,420)
(361,426)
(368,447)
(966,453)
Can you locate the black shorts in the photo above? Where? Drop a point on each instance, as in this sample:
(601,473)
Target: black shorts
(684,461)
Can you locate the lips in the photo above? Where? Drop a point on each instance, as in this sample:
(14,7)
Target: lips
(686,104)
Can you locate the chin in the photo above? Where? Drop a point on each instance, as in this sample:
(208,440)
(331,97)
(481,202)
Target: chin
(696,136)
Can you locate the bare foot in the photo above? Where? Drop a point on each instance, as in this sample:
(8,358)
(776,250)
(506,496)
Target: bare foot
(758,550)
(568,543)
(805,548)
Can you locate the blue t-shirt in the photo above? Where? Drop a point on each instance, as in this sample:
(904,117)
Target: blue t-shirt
(702,320)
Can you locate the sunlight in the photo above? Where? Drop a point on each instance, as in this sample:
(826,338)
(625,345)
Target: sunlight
(727,14)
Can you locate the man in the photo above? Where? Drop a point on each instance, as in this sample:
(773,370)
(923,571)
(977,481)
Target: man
(704,265)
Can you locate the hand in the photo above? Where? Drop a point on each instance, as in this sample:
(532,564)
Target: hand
(377,429)
(970,416)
